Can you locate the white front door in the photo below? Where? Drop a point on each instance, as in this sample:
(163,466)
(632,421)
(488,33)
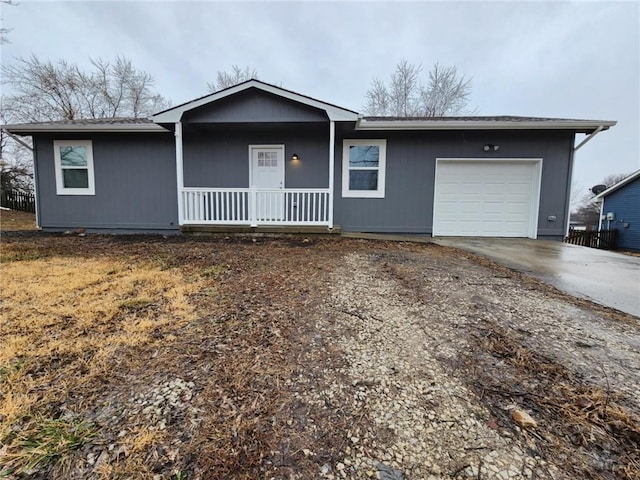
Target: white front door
(267,173)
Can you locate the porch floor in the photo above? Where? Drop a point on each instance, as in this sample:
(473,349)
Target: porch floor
(220,229)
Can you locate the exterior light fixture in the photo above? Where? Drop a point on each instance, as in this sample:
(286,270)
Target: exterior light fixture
(490,146)
(294,157)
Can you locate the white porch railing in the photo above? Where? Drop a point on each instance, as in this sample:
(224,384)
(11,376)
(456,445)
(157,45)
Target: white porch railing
(256,206)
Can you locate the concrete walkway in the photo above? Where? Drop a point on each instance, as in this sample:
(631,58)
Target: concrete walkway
(608,278)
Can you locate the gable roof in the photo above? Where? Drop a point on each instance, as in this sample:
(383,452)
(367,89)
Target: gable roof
(334,112)
(619,185)
(504,122)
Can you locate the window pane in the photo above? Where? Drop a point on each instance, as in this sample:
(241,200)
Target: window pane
(363,180)
(75,178)
(364,156)
(75,156)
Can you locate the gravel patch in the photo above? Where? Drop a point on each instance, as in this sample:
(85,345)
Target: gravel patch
(404,328)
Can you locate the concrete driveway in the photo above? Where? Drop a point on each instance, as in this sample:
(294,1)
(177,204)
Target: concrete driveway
(608,278)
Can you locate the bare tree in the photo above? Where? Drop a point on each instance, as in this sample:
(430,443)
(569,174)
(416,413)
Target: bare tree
(229,79)
(445,93)
(16,171)
(46,91)
(587,209)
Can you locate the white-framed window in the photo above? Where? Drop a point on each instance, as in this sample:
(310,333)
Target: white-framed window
(74,167)
(363,168)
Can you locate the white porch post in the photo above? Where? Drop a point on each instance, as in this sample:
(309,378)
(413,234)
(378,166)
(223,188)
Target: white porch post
(253,205)
(332,141)
(179,172)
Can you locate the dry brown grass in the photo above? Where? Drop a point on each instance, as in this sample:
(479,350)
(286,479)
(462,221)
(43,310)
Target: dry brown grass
(93,324)
(61,315)
(12,220)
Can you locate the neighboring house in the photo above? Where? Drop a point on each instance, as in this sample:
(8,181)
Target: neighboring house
(620,210)
(256,155)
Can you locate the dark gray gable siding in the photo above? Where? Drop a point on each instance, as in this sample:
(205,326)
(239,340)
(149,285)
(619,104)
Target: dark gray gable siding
(410,175)
(625,203)
(254,105)
(218,156)
(135,184)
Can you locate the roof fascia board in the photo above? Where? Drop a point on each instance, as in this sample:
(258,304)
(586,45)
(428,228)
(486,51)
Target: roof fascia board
(480,125)
(618,185)
(72,128)
(175,115)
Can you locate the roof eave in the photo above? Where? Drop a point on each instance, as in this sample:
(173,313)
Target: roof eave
(578,126)
(618,185)
(26,129)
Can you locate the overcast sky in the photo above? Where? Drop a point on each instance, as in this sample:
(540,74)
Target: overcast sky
(553,59)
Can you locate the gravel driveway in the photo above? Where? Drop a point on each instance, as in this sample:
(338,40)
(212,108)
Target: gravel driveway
(424,333)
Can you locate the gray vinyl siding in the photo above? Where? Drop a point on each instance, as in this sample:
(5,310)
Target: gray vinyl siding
(219,157)
(253,106)
(410,176)
(625,204)
(135,185)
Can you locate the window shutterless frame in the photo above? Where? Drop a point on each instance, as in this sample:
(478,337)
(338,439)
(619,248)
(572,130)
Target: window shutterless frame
(363,168)
(74,167)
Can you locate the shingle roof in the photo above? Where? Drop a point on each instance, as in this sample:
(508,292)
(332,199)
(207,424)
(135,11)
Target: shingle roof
(113,124)
(130,124)
(502,122)
(97,121)
(478,118)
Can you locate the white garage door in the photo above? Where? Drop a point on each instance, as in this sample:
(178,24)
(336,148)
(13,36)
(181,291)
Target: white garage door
(486,198)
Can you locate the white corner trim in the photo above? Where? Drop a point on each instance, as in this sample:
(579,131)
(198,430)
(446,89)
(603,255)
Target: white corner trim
(332,161)
(179,171)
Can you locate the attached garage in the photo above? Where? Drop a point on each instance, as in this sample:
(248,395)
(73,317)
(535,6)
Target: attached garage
(486,198)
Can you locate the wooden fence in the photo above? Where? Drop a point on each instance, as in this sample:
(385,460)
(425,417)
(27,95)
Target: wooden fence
(24,202)
(604,239)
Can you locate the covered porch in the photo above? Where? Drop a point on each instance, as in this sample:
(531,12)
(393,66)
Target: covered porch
(254,156)
(251,175)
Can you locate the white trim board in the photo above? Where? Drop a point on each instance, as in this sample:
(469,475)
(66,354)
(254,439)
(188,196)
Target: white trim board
(545,124)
